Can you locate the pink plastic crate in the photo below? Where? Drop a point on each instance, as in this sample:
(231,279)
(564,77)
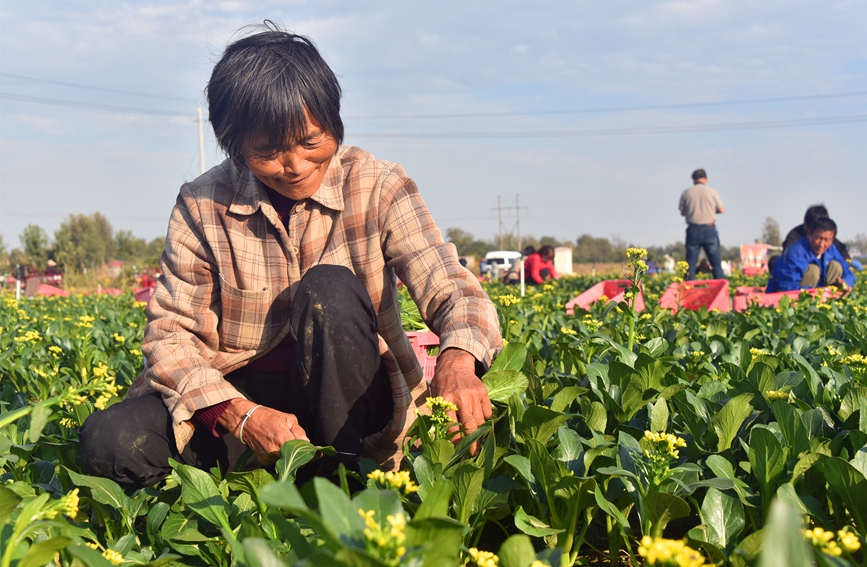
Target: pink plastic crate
(420,341)
(760,299)
(45,289)
(144,294)
(612,289)
(695,294)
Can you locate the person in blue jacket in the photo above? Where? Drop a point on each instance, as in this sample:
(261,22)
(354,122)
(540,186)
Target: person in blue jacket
(813,261)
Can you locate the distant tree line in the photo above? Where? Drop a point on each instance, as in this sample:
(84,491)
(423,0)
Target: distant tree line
(83,243)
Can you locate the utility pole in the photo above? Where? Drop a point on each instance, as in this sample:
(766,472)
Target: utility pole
(500,214)
(201,139)
(518,214)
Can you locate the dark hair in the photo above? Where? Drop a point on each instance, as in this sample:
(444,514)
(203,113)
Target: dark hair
(823,223)
(528,250)
(262,85)
(813,213)
(698,174)
(546,250)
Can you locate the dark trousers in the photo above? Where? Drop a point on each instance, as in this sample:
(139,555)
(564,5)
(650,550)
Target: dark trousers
(702,236)
(335,387)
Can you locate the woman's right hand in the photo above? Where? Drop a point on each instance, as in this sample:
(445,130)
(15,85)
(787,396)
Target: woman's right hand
(265,430)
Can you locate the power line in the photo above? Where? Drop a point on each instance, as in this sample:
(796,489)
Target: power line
(92,88)
(610,109)
(91,105)
(622,131)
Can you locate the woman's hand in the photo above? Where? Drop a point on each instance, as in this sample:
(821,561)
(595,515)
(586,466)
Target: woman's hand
(456,381)
(265,430)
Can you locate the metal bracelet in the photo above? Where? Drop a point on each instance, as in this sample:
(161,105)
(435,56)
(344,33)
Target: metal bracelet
(246,417)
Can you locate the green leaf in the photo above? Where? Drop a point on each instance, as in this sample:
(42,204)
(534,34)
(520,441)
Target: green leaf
(8,501)
(851,486)
(539,423)
(659,416)
(155,518)
(533,526)
(727,422)
(611,510)
(436,503)
(42,552)
(200,494)
(294,454)
(439,538)
(502,384)
(383,502)
(102,490)
(597,418)
(660,508)
(724,517)
(792,427)
(285,495)
(512,357)
(38,420)
(90,557)
(784,542)
(565,397)
(468,480)
(517,551)
(439,451)
(766,456)
(337,511)
(259,554)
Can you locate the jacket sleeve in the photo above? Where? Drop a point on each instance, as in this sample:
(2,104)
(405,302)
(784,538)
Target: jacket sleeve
(535,269)
(788,271)
(449,297)
(181,339)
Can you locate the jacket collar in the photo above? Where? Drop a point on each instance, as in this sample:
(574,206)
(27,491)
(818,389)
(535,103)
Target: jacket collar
(250,192)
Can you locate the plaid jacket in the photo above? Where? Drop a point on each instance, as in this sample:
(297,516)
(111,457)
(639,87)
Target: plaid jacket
(230,270)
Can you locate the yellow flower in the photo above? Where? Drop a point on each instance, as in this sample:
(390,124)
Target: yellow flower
(119,338)
(508,300)
(70,504)
(667,552)
(590,323)
(113,556)
(483,558)
(399,481)
(636,253)
(568,331)
(777,395)
(850,541)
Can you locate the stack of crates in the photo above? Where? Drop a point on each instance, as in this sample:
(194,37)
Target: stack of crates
(612,289)
(695,294)
(757,298)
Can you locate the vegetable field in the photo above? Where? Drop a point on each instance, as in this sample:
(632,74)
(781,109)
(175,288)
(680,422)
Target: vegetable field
(618,438)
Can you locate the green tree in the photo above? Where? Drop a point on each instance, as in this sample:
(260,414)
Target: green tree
(771,232)
(36,246)
(466,243)
(128,248)
(84,242)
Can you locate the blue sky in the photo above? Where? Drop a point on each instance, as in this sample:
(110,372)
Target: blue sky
(460,71)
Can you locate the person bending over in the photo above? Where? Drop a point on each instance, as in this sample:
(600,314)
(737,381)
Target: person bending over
(276,317)
(812,261)
(539,266)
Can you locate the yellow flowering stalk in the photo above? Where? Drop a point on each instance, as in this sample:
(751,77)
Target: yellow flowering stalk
(113,556)
(660,450)
(669,552)
(590,323)
(568,331)
(439,416)
(399,481)
(681,269)
(385,542)
(638,265)
(482,558)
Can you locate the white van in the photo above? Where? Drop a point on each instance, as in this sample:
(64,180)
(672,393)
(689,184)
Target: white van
(497,262)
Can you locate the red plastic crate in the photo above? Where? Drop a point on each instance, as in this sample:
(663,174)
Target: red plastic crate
(612,289)
(760,299)
(420,341)
(695,294)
